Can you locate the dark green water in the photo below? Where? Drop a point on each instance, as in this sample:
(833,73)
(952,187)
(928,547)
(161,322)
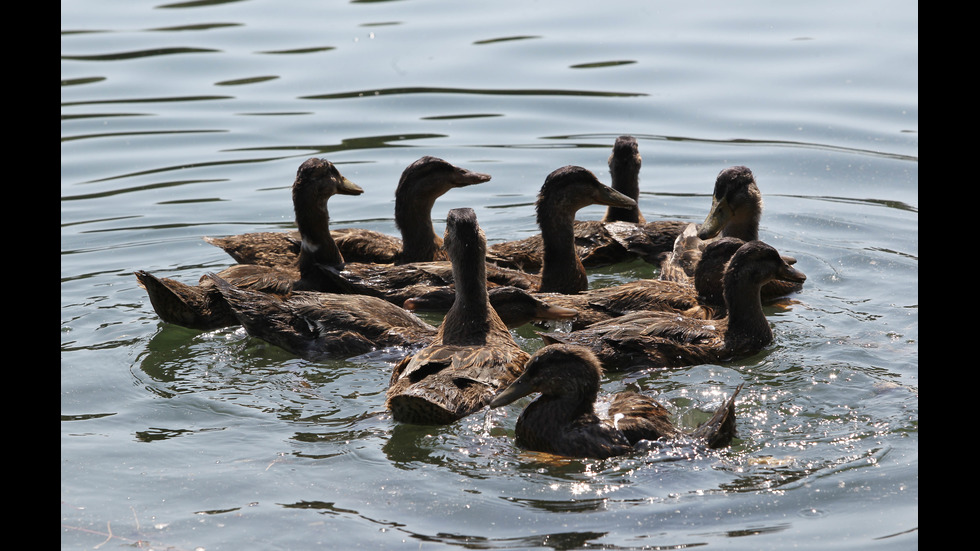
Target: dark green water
(189,119)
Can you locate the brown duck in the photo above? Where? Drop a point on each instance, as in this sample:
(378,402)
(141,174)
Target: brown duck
(623,233)
(736,208)
(421,183)
(659,339)
(202,307)
(317,326)
(563,420)
(472,356)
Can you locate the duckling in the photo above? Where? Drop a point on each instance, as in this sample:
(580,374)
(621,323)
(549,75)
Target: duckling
(563,421)
(621,235)
(421,183)
(553,251)
(472,356)
(736,208)
(316,326)
(661,339)
(202,307)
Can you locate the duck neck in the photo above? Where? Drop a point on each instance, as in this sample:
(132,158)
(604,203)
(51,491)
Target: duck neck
(318,247)
(561,268)
(626,180)
(413,216)
(470,320)
(744,227)
(747,328)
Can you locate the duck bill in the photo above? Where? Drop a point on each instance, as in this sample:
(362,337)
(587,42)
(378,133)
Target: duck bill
(718,216)
(518,389)
(466,177)
(612,198)
(791,274)
(347,187)
(547,311)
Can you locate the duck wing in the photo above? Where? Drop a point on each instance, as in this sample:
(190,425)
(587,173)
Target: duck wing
(441,383)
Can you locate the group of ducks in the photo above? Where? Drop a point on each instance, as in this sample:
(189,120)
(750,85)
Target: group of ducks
(321,292)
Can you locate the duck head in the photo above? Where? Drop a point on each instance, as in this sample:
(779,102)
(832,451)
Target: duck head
(736,206)
(564,371)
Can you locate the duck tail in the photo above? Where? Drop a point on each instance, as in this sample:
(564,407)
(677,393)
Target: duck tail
(719,431)
(181,304)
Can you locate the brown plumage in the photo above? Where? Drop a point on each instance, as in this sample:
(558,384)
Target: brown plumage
(202,307)
(563,421)
(736,209)
(703,300)
(316,326)
(421,183)
(473,354)
(623,234)
(660,339)
(564,192)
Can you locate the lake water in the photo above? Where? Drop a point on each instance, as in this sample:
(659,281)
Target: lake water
(186,119)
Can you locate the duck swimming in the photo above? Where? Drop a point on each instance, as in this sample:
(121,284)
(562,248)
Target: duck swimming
(472,355)
(623,234)
(421,183)
(659,339)
(564,192)
(736,208)
(317,326)
(563,420)
(202,307)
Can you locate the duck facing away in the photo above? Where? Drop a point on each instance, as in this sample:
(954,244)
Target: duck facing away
(317,326)
(660,339)
(421,183)
(472,356)
(563,420)
(736,209)
(202,307)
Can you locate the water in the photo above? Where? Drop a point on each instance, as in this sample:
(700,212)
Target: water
(189,119)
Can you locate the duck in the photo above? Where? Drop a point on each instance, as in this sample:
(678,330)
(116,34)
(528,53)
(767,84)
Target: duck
(317,326)
(648,338)
(565,190)
(563,419)
(623,233)
(473,354)
(201,306)
(420,184)
(704,299)
(736,209)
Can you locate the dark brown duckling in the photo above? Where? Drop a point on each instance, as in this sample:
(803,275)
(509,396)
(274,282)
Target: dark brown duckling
(736,209)
(623,233)
(202,307)
(421,183)
(563,421)
(316,326)
(660,339)
(564,192)
(472,356)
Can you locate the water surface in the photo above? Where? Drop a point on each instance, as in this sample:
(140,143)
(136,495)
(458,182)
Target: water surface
(188,119)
